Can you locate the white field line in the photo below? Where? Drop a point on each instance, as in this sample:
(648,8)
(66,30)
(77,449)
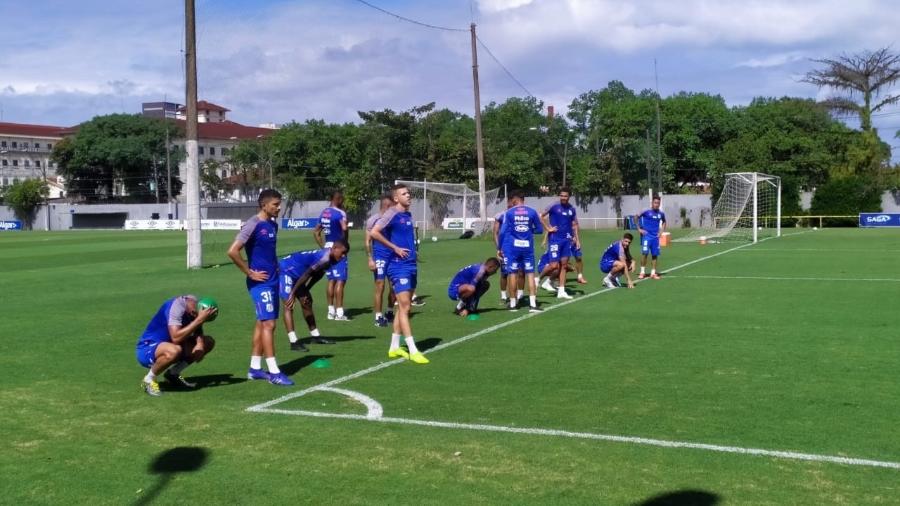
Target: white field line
(824,250)
(833,459)
(488,330)
(786,278)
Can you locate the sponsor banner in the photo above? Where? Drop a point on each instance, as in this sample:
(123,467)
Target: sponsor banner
(220,224)
(879,219)
(299,223)
(153,225)
(457,223)
(11,225)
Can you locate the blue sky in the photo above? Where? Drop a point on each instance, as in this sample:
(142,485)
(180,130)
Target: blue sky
(274,61)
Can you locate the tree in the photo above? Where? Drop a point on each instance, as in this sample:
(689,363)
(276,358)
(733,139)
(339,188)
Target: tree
(115,156)
(210,181)
(24,197)
(867,75)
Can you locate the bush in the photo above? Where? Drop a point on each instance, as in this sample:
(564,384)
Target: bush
(24,197)
(846,195)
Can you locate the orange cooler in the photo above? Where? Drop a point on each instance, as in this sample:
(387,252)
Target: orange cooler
(665,239)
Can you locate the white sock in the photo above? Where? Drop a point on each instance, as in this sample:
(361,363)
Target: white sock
(314,333)
(272,364)
(607,279)
(642,269)
(459,305)
(411,344)
(378,316)
(292,337)
(340,311)
(512,303)
(330,309)
(520,294)
(178,367)
(580,276)
(150,377)
(503,296)
(652,271)
(561,290)
(395,341)
(532,300)
(255,362)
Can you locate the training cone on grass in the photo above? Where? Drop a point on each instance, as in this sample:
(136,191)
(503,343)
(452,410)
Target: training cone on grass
(322,363)
(473,317)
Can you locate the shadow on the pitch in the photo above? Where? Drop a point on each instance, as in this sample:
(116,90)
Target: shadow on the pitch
(356,311)
(682,498)
(182,459)
(294,366)
(490,309)
(216,380)
(428,343)
(339,339)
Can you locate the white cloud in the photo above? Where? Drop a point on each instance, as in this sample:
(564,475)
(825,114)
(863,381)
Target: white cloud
(773,60)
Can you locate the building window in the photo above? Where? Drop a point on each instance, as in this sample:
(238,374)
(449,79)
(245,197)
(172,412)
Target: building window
(212,151)
(224,151)
(15,163)
(24,145)
(224,174)
(4,163)
(49,146)
(15,144)
(200,149)
(6,181)
(15,180)
(2,144)
(27,163)
(37,163)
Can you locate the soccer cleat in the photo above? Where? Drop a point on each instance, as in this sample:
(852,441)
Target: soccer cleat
(330,316)
(547,286)
(608,283)
(535,309)
(381,321)
(398,353)
(563,295)
(642,276)
(177,379)
(654,276)
(299,346)
(257,374)
(389,316)
(418,358)
(341,318)
(151,388)
(417,302)
(320,340)
(280,378)
(616,282)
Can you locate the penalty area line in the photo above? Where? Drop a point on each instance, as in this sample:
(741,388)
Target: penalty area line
(663,443)
(488,330)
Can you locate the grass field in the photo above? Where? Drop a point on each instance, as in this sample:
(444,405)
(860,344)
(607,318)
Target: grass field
(618,397)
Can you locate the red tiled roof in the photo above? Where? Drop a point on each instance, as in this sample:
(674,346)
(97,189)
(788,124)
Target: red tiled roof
(24,130)
(203,105)
(229,129)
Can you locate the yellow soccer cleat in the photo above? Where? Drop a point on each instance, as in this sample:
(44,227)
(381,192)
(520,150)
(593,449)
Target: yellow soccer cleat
(418,358)
(398,353)
(151,387)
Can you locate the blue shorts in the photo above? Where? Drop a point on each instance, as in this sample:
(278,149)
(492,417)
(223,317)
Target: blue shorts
(338,271)
(650,245)
(606,265)
(453,292)
(286,284)
(146,353)
(542,263)
(402,276)
(576,252)
(264,301)
(380,271)
(504,266)
(558,250)
(519,259)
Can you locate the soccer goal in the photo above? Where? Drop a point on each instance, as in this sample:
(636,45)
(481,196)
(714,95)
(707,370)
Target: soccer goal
(449,209)
(748,209)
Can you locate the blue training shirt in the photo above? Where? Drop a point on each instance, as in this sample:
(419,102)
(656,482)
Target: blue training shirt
(651,221)
(379,251)
(520,223)
(563,217)
(398,228)
(172,312)
(468,275)
(297,263)
(614,252)
(259,238)
(331,219)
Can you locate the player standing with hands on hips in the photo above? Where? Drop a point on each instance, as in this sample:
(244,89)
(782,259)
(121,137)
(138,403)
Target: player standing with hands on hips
(651,223)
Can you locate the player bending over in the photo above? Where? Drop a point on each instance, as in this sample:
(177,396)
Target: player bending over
(470,283)
(379,254)
(650,224)
(548,270)
(298,272)
(175,336)
(504,265)
(617,260)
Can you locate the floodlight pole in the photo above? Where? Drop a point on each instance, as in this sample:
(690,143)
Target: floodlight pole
(192,171)
(479,146)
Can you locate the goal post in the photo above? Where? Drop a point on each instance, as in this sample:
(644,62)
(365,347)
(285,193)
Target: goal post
(448,209)
(748,209)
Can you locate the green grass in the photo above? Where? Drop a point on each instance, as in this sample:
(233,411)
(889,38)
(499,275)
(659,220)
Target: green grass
(714,353)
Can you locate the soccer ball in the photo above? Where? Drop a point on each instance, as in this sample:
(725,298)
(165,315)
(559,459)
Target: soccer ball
(815,228)
(208,302)
(433,239)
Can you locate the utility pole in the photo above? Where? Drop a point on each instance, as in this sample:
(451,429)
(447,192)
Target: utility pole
(168,165)
(658,135)
(192,170)
(479,146)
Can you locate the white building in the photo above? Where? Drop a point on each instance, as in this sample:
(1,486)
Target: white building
(25,151)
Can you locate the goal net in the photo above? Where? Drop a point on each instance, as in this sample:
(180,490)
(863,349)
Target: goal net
(748,209)
(445,210)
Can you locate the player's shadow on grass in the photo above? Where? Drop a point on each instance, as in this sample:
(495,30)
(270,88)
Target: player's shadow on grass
(682,498)
(356,311)
(294,366)
(341,339)
(182,459)
(428,343)
(216,380)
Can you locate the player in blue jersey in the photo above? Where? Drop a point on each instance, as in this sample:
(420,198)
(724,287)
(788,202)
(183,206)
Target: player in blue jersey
(617,260)
(174,336)
(379,255)
(561,226)
(297,273)
(470,283)
(651,224)
(519,226)
(258,238)
(332,227)
(396,230)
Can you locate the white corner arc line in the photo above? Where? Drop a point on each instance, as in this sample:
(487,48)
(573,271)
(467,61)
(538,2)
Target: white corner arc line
(374,411)
(832,459)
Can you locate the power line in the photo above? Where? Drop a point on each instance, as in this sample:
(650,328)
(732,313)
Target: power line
(508,73)
(413,21)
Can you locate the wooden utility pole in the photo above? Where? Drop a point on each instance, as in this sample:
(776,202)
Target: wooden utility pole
(479,146)
(192,171)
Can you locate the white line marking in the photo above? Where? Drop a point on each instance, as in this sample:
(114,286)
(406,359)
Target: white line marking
(603,437)
(824,250)
(775,278)
(374,410)
(384,365)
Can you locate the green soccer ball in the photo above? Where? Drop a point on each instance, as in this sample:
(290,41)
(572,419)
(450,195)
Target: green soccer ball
(208,302)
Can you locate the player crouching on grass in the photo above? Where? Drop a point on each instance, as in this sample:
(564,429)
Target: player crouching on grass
(298,272)
(175,336)
(470,283)
(617,260)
